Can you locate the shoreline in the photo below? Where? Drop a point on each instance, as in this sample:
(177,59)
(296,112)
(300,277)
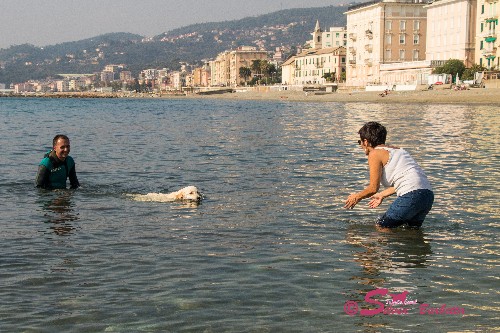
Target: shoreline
(438,96)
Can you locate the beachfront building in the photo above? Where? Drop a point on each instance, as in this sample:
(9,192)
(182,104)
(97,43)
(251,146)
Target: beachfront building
(201,76)
(77,84)
(310,66)
(225,69)
(383,32)
(488,34)
(316,64)
(62,85)
(451,30)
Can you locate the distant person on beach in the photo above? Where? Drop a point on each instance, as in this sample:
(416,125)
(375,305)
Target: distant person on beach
(395,169)
(57,166)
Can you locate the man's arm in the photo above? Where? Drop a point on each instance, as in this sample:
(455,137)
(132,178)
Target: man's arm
(43,177)
(73,180)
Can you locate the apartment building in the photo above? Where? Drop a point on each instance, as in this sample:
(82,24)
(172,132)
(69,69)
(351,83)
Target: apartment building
(126,76)
(451,30)
(488,34)
(310,66)
(225,69)
(201,76)
(383,32)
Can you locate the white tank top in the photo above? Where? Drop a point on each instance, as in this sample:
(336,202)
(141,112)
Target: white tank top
(402,172)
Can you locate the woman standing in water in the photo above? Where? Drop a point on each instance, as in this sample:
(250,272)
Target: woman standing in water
(396,170)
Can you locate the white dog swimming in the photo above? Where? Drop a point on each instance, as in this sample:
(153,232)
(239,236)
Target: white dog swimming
(189,193)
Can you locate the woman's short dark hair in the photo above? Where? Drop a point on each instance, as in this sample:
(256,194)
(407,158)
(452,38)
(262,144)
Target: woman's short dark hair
(374,133)
(57,137)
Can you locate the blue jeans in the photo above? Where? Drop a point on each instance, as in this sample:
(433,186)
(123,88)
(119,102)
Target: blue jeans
(410,209)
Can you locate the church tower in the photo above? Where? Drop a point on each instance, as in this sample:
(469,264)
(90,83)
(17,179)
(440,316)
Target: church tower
(317,41)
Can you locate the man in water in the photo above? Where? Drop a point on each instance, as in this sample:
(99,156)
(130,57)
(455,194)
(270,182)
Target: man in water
(57,166)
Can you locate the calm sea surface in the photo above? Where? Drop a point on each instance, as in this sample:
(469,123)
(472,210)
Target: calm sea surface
(270,249)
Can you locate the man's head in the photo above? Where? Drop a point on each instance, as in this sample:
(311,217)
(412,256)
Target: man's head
(61,146)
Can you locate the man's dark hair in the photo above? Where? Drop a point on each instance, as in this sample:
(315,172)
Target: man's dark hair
(374,133)
(57,137)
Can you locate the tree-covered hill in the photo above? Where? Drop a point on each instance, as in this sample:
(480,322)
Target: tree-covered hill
(191,44)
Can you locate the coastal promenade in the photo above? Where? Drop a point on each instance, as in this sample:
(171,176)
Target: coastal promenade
(443,96)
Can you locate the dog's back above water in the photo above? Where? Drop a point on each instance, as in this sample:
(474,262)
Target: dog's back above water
(189,193)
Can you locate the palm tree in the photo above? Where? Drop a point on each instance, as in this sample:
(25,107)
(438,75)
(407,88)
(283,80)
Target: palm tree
(245,73)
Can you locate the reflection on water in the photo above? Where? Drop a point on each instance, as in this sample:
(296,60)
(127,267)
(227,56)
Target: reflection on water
(386,255)
(270,248)
(58,211)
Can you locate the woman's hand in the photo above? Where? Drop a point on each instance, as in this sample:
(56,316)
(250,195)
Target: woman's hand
(376,200)
(352,200)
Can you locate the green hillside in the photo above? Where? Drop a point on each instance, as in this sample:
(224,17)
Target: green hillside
(191,44)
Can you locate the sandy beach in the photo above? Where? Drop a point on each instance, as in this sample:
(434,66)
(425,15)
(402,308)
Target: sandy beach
(437,96)
(448,96)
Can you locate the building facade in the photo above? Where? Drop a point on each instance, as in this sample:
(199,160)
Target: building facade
(225,69)
(310,66)
(451,30)
(383,32)
(488,34)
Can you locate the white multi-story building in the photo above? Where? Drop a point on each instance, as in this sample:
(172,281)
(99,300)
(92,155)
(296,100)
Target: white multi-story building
(310,66)
(487,34)
(451,30)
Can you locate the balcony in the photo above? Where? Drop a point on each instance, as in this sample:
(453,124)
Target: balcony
(369,47)
(353,36)
(487,53)
(488,33)
(368,62)
(352,50)
(352,61)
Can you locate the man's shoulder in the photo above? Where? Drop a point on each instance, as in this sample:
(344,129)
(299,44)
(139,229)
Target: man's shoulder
(46,162)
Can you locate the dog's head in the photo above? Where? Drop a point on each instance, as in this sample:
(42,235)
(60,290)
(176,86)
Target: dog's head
(190,193)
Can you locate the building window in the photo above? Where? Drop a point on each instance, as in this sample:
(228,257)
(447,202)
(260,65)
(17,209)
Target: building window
(388,39)
(416,39)
(343,60)
(388,55)
(482,27)
(481,46)
(337,35)
(482,9)
(388,25)
(401,54)
(415,55)
(402,25)
(416,25)
(402,39)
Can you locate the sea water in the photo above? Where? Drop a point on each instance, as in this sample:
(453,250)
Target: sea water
(270,248)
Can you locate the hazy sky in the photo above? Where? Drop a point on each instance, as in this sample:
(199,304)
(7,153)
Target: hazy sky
(47,22)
